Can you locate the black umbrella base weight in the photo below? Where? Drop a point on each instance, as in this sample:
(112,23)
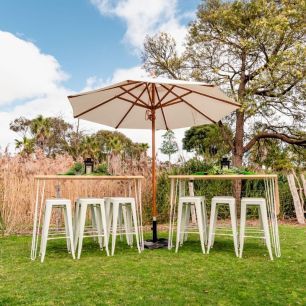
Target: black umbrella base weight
(155,243)
(158,244)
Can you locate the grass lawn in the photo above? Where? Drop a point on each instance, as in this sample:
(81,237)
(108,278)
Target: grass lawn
(158,277)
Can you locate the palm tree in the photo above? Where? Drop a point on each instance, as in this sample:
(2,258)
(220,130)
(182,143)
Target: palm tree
(90,148)
(41,129)
(116,145)
(25,145)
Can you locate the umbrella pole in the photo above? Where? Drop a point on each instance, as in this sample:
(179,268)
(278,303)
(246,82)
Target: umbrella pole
(154,211)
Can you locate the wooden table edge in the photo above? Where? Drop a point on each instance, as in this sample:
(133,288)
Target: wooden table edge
(87,177)
(224,176)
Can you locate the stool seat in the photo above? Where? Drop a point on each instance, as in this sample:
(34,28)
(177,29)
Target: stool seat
(90,200)
(224,199)
(191,198)
(57,201)
(253,201)
(123,200)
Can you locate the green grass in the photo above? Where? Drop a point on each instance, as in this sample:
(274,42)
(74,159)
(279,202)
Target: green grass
(158,277)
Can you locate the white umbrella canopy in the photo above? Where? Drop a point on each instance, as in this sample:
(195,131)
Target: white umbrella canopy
(153,104)
(177,104)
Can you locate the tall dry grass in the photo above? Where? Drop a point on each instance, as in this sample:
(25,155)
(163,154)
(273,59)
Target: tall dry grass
(18,192)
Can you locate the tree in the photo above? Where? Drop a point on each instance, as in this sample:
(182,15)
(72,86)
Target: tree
(277,155)
(25,146)
(41,130)
(169,145)
(207,141)
(90,148)
(50,134)
(254,50)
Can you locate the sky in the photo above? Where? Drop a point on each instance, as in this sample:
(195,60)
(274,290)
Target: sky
(53,48)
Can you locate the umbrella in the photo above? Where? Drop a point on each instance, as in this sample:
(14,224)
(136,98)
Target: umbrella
(153,104)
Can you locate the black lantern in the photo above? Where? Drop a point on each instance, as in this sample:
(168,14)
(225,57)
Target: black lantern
(225,163)
(89,165)
(213,150)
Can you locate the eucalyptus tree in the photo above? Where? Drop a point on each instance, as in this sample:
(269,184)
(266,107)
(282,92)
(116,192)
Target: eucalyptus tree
(255,51)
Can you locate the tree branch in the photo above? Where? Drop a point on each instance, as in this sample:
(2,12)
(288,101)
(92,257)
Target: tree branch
(264,135)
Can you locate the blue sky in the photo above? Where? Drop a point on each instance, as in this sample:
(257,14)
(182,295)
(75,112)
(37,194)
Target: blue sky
(83,41)
(51,48)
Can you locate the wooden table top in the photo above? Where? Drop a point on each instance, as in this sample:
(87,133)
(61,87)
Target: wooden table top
(88,177)
(224,177)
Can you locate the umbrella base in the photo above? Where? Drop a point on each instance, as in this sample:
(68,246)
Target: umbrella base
(158,244)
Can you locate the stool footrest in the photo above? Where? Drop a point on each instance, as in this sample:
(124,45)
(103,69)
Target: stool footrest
(61,237)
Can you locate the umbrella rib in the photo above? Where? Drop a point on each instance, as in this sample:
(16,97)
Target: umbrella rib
(159,102)
(135,97)
(176,95)
(102,89)
(104,102)
(209,96)
(190,105)
(130,101)
(149,94)
(134,103)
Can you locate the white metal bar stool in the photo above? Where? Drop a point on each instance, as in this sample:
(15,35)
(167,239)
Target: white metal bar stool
(215,202)
(98,214)
(126,207)
(263,216)
(183,217)
(64,204)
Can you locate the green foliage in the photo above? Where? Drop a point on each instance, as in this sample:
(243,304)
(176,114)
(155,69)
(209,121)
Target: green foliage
(202,139)
(277,156)
(101,169)
(79,169)
(76,169)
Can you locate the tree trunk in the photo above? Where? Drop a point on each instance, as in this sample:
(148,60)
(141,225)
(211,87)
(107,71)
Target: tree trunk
(238,152)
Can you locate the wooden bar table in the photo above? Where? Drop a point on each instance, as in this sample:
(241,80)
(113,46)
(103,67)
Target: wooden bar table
(177,188)
(134,184)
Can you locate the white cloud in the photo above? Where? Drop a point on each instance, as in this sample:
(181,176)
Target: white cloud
(145,18)
(44,94)
(25,72)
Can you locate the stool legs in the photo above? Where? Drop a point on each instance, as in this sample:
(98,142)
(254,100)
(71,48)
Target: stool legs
(199,213)
(45,231)
(242,228)
(68,229)
(81,227)
(234,227)
(211,226)
(135,226)
(68,217)
(264,222)
(179,226)
(67,233)
(115,211)
(264,218)
(102,217)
